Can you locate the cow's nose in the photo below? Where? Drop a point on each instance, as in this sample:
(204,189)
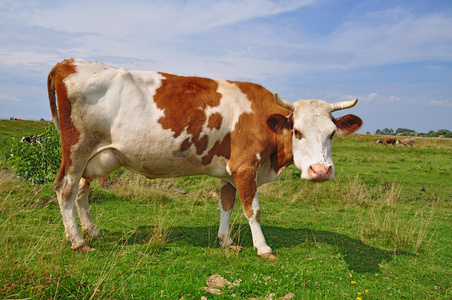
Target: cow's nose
(320,172)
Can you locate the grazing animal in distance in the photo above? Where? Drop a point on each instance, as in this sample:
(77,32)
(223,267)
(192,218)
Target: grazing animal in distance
(387,141)
(33,139)
(405,142)
(163,125)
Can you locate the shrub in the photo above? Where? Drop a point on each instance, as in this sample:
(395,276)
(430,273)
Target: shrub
(37,163)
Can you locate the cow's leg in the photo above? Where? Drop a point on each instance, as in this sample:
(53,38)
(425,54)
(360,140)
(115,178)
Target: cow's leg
(84,213)
(66,187)
(100,165)
(226,204)
(246,185)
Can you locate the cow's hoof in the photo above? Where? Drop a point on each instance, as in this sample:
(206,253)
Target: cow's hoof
(92,233)
(236,248)
(83,248)
(270,256)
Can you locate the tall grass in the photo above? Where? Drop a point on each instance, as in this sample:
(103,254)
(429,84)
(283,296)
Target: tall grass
(383,219)
(33,256)
(376,213)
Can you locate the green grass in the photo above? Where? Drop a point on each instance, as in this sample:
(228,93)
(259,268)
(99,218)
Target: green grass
(21,128)
(16,130)
(380,230)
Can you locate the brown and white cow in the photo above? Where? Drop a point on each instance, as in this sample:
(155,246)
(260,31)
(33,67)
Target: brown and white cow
(387,141)
(162,125)
(405,142)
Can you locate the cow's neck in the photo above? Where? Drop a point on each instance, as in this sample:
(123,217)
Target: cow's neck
(282,157)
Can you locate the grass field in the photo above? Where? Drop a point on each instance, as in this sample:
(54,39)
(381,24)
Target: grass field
(380,230)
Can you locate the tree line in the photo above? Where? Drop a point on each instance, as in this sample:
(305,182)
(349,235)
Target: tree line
(410,132)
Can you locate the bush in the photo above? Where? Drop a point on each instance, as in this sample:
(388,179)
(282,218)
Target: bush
(5,148)
(37,163)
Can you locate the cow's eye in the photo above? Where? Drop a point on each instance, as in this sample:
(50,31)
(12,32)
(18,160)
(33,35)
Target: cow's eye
(332,135)
(297,134)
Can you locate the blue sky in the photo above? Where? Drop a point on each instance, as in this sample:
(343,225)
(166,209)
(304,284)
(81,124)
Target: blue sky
(395,56)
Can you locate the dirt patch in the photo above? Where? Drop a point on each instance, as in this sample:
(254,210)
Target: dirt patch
(6,174)
(216,283)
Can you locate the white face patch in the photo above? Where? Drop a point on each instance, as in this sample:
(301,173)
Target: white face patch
(312,137)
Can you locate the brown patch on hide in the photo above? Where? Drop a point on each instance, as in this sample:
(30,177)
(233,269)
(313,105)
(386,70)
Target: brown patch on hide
(202,144)
(222,148)
(70,135)
(215,121)
(185,145)
(184,101)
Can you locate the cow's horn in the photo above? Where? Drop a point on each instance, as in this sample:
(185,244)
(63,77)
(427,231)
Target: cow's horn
(343,104)
(284,103)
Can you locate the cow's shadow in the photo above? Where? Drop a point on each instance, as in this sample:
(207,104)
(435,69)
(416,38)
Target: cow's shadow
(359,257)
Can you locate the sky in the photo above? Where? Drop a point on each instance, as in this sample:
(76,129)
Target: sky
(394,56)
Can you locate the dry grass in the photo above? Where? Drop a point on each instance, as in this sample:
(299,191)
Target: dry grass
(375,213)
(385,219)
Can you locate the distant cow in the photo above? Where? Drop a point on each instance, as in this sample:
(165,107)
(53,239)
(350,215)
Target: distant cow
(162,125)
(441,136)
(387,141)
(33,139)
(405,142)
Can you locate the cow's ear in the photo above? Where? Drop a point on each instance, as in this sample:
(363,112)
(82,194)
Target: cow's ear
(280,124)
(347,124)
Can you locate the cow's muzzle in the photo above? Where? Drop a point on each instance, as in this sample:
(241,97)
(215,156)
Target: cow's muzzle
(320,172)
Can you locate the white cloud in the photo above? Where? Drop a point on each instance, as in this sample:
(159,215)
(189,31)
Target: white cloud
(4,97)
(374,97)
(393,36)
(442,103)
(25,57)
(148,19)
(214,35)
(185,37)
(370,98)
(394,99)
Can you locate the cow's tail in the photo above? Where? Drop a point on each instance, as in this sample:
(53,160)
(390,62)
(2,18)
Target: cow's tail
(53,101)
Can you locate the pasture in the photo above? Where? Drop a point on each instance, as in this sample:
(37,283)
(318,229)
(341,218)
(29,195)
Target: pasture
(380,230)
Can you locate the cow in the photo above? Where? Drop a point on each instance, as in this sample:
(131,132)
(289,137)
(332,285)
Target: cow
(441,136)
(163,125)
(405,142)
(33,139)
(387,141)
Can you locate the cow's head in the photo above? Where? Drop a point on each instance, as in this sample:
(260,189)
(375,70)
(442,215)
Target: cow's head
(312,128)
